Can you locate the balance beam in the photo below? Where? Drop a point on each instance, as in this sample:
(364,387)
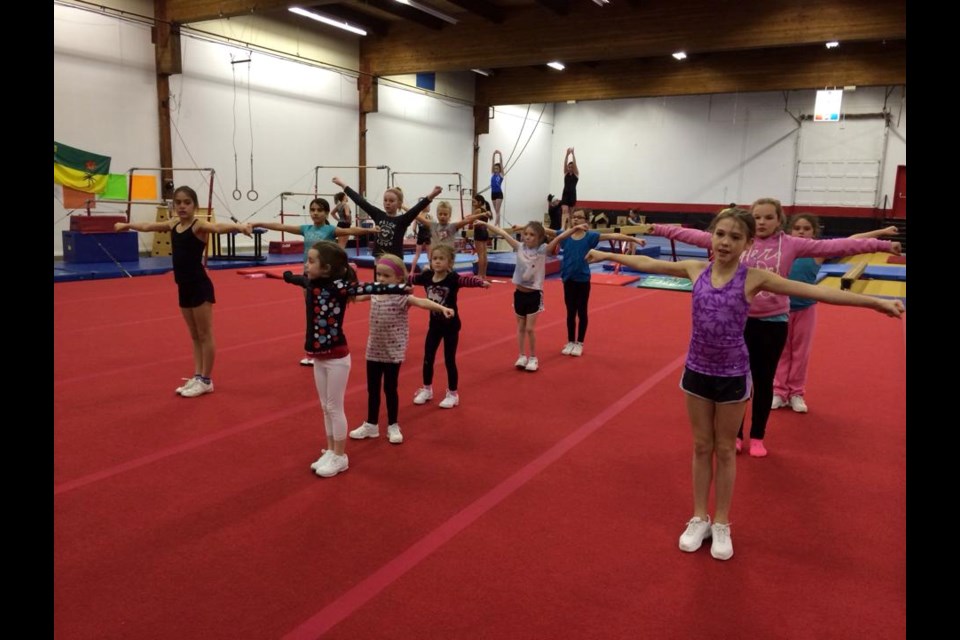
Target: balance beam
(852,275)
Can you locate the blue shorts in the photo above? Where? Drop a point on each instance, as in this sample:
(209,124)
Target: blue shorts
(719,389)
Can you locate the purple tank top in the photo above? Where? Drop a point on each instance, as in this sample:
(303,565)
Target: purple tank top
(719,317)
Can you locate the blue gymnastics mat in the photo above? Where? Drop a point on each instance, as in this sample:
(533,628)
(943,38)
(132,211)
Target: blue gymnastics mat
(503,263)
(875,271)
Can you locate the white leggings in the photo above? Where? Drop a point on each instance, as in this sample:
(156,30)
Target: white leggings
(331,378)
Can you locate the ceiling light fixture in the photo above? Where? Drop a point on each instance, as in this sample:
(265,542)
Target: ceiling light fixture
(600,3)
(429,10)
(333,22)
(556,65)
(680,55)
(483,72)
(832,44)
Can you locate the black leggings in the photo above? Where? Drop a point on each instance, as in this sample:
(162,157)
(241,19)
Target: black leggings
(575,296)
(765,341)
(389,372)
(449,333)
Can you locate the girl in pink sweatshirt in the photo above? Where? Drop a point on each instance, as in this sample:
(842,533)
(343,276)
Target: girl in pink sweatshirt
(766,330)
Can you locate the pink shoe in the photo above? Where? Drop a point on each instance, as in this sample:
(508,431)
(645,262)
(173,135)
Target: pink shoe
(739,445)
(757,450)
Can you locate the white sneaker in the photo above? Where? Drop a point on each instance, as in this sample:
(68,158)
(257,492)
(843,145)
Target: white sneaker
(798,404)
(307,362)
(333,465)
(451,400)
(324,454)
(696,532)
(722,546)
(186,385)
(422,395)
(198,388)
(577,349)
(777,402)
(521,362)
(567,348)
(532,364)
(366,430)
(393,434)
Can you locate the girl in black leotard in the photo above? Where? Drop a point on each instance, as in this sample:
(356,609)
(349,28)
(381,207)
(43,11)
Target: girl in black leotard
(188,241)
(571,175)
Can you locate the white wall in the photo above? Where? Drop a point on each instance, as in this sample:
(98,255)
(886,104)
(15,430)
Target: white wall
(690,149)
(414,133)
(105,102)
(104,94)
(717,149)
(302,117)
(525,138)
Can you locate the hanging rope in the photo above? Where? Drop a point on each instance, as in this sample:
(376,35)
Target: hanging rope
(237,194)
(252,195)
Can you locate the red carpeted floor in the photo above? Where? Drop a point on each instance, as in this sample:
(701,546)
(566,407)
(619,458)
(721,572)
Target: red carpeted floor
(547,505)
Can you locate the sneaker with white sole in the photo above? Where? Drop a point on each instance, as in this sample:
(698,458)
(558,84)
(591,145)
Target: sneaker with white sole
(366,430)
(333,465)
(696,532)
(521,362)
(577,349)
(450,400)
(777,402)
(393,434)
(567,348)
(722,546)
(307,362)
(198,388)
(798,404)
(324,454)
(423,395)
(188,382)
(532,364)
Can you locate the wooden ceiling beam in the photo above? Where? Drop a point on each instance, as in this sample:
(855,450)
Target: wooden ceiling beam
(481,8)
(531,36)
(354,17)
(795,68)
(559,7)
(187,11)
(408,13)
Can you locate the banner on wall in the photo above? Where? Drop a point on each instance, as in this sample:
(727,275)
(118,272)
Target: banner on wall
(827,107)
(79,169)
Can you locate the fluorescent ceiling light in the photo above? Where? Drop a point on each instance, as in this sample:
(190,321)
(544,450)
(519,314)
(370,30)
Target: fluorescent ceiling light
(556,65)
(429,10)
(600,3)
(340,24)
(832,44)
(680,55)
(483,72)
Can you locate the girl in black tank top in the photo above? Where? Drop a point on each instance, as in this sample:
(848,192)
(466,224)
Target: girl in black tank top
(188,241)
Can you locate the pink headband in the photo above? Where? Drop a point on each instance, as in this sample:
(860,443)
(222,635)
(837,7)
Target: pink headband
(387,263)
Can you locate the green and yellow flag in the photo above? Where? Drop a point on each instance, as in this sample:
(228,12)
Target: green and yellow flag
(80,169)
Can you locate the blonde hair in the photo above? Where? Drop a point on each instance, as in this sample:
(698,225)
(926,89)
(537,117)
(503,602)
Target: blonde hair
(443,204)
(395,264)
(781,216)
(537,229)
(398,191)
(446,249)
(741,216)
